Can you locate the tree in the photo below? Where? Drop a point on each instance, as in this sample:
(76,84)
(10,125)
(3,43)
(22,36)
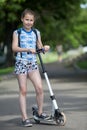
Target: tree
(54,18)
(9,19)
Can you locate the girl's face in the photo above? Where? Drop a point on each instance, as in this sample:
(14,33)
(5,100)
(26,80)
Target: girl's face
(28,21)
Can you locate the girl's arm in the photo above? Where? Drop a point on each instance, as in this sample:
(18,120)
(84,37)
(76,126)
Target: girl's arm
(40,45)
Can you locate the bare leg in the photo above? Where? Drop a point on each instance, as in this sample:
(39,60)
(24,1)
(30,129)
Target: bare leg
(36,80)
(22,80)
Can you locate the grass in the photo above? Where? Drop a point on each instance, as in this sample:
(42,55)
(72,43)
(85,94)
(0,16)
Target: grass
(49,57)
(6,70)
(82,65)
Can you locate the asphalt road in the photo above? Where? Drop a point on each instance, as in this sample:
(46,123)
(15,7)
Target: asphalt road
(71,96)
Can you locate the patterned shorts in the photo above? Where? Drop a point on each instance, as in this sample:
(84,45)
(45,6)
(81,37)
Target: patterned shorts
(23,67)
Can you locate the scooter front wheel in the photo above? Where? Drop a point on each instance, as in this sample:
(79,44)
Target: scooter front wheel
(60,119)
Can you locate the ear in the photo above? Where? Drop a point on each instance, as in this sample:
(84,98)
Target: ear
(22,19)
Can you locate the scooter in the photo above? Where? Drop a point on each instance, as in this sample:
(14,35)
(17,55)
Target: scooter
(57,117)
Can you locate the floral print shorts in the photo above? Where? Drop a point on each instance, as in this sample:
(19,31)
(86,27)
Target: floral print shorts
(23,67)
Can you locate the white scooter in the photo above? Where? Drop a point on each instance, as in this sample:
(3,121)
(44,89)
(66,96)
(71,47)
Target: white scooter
(57,117)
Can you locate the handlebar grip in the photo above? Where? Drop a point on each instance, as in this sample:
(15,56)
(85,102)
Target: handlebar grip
(40,50)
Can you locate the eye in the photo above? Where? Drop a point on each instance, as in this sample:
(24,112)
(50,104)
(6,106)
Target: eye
(27,19)
(31,20)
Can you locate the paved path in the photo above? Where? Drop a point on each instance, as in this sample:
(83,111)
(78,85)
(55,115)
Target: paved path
(71,94)
(60,71)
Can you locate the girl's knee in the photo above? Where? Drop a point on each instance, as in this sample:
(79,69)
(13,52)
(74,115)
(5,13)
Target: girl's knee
(23,91)
(39,90)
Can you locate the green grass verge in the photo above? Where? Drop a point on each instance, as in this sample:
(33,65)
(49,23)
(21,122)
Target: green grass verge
(6,70)
(82,64)
(49,57)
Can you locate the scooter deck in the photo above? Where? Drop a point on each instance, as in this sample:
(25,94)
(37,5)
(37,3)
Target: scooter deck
(46,121)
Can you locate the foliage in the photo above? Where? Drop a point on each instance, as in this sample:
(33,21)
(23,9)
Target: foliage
(60,22)
(50,18)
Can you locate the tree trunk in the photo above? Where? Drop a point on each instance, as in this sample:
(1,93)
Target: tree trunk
(8,43)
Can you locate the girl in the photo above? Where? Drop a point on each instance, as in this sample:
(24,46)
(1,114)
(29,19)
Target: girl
(26,64)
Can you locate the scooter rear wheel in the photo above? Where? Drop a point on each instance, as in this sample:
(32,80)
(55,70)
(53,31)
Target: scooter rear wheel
(61,120)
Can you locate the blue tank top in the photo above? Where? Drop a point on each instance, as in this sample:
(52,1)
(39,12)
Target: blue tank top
(27,40)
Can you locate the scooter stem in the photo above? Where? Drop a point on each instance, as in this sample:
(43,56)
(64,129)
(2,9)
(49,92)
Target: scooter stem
(48,83)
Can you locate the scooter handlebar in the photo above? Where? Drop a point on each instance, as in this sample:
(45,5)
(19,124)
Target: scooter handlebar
(40,50)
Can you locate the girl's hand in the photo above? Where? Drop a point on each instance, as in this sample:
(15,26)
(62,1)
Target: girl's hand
(33,51)
(46,47)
